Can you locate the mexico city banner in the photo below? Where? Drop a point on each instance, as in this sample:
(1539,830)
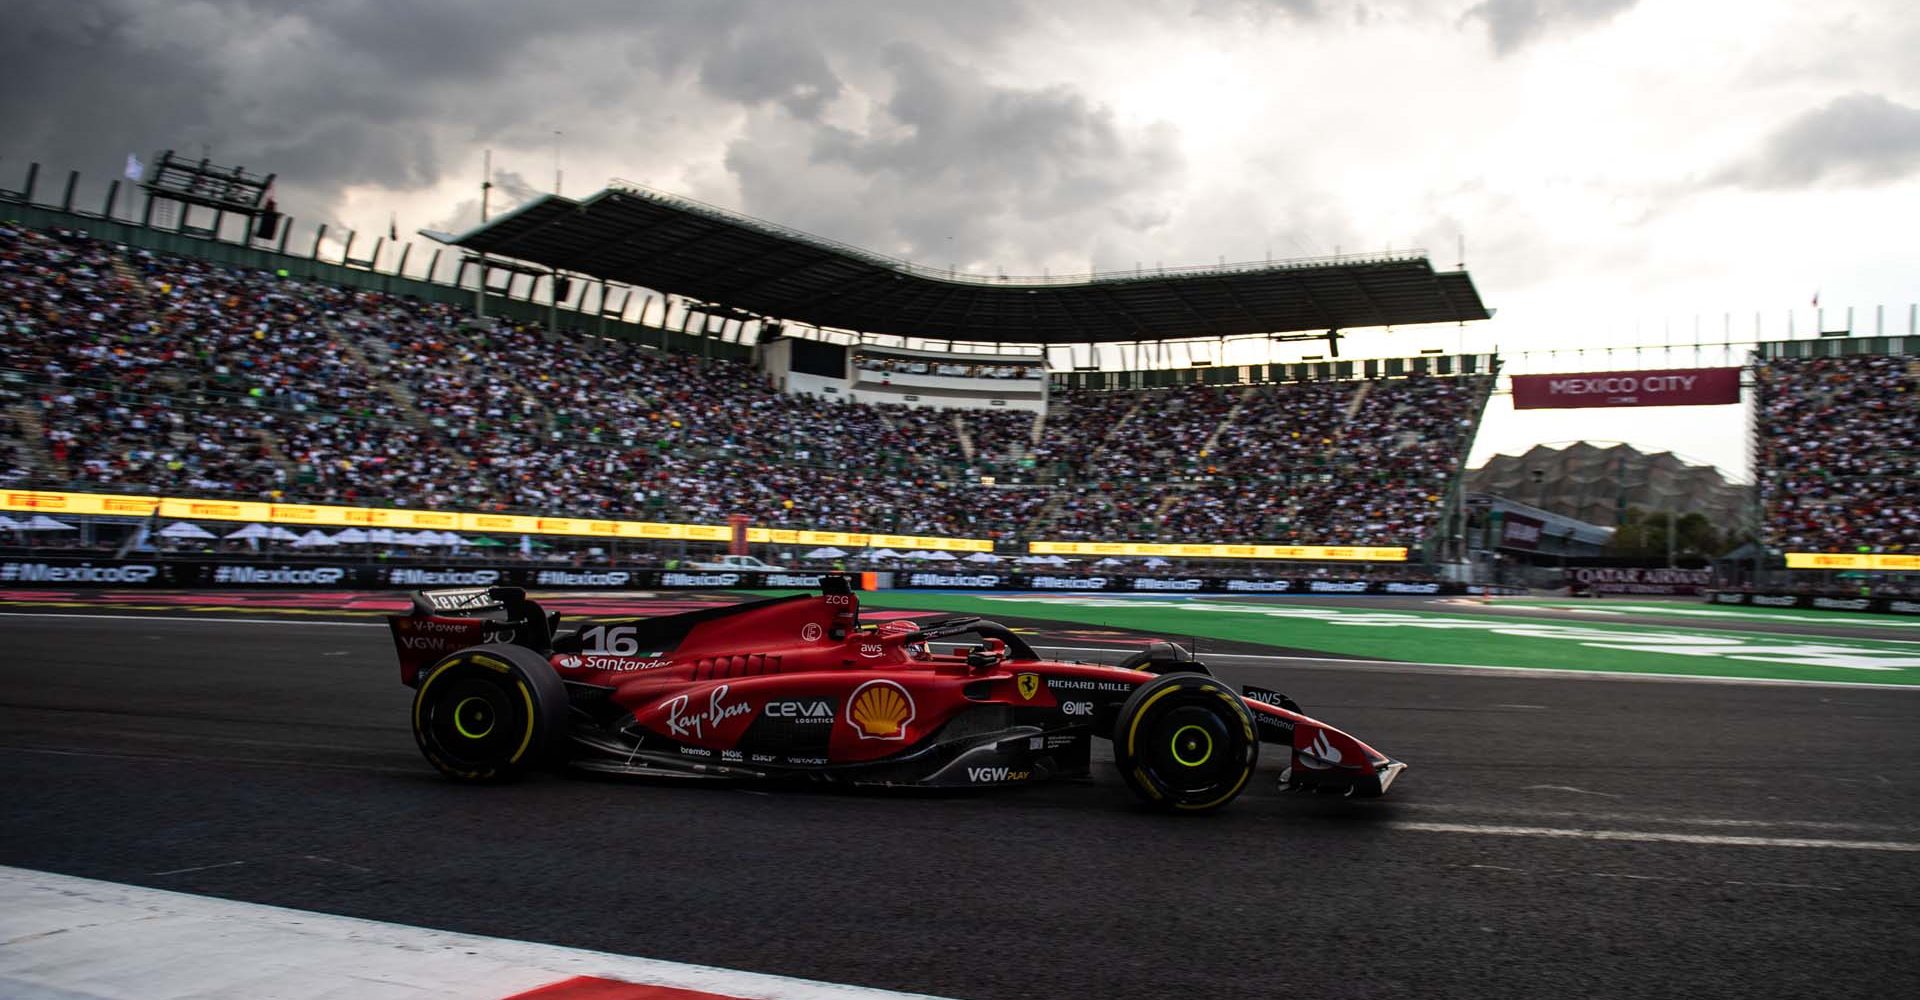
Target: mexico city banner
(1669,387)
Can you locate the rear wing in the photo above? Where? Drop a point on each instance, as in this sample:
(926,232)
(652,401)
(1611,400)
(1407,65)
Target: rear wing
(441,622)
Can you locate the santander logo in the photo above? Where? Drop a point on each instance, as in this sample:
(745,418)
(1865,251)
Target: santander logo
(1319,754)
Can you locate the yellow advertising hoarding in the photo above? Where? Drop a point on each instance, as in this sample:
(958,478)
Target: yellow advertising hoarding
(1331,553)
(53,502)
(1886,562)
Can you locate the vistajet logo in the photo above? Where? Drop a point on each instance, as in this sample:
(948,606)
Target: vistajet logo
(1149,583)
(269,575)
(977,581)
(39,572)
(699,579)
(571,578)
(441,577)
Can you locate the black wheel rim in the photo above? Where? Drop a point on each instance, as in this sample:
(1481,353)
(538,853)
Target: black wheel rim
(474,721)
(1190,750)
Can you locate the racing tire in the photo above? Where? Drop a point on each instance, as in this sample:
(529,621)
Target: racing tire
(1185,743)
(489,714)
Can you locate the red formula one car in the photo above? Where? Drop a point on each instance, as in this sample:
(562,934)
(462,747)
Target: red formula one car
(798,687)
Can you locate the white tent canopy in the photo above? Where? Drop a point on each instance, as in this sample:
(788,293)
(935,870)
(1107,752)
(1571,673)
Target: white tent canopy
(9,524)
(279,534)
(350,536)
(251,531)
(883,554)
(983,557)
(42,522)
(314,539)
(1110,561)
(940,557)
(825,552)
(1156,563)
(185,529)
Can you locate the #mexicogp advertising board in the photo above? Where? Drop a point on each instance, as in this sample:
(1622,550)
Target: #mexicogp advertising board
(1665,387)
(238,574)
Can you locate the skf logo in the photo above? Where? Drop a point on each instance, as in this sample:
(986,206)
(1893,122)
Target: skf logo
(880,710)
(1028,685)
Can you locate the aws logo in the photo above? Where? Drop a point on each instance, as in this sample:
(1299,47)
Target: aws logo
(880,710)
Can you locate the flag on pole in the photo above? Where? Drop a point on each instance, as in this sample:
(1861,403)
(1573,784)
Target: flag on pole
(134,169)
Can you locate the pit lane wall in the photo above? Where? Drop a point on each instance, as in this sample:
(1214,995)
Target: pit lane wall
(239,574)
(1819,602)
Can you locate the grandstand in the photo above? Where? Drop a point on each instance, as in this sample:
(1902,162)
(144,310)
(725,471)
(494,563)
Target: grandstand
(143,372)
(1837,447)
(146,361)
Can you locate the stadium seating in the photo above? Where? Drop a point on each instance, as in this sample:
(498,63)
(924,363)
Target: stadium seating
(1838,446)
(149,373)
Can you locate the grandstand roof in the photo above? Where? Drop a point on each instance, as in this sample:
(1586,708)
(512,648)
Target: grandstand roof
(634,236)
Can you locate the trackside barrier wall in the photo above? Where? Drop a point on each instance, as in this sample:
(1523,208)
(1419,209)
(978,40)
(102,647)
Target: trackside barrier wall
(243,574)
(237,574)
(1876,605)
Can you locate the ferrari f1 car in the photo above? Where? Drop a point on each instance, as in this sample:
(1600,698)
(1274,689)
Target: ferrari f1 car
(798,687)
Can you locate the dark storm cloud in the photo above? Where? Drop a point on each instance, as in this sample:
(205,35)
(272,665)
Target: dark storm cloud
(1855,139)
(1511,24)
(951,168)
(369,92)
(770,65)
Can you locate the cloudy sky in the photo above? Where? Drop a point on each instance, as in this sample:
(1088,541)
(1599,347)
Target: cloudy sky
(1619,171)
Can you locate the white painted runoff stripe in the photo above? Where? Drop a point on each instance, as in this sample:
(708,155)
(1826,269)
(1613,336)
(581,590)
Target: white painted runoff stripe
(66,938)
(1414,666)
(1651,837)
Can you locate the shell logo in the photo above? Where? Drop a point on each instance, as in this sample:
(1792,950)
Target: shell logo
(880,710)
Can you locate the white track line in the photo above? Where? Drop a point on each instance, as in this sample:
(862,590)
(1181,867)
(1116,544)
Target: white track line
(1333,662)
(74,938)
(1651,837)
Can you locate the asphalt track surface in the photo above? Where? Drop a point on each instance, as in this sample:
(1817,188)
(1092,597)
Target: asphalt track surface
(1563,836)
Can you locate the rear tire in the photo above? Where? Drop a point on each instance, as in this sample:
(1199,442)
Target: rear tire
(489,714)
(1185,743)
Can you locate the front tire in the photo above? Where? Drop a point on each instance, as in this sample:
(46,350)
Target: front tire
(1185,743)
(489,713)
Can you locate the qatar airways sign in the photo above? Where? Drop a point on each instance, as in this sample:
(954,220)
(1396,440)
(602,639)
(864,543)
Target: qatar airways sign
(1672,387)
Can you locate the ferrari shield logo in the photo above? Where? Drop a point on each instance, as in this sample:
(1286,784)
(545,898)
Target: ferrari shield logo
(1028,684)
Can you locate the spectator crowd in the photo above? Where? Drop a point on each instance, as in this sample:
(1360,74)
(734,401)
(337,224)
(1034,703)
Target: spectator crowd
(1839,453)
(140,372)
